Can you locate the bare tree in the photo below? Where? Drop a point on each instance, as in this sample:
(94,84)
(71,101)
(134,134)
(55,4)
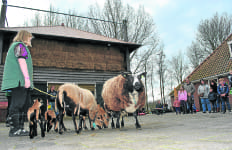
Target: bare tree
(196,54)
(152,83)
(37,20)
(212,32)
(140,24)
(179,66)
(161,72)
(51,19)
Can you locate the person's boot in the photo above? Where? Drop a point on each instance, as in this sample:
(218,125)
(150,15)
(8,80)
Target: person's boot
(8,121)
(14,126)
(21,125)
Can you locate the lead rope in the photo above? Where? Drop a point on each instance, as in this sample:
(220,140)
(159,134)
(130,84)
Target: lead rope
(43,92)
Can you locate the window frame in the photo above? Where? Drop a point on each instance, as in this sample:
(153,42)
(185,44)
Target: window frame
(230,47)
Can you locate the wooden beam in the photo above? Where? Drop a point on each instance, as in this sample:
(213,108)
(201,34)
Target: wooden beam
(3,14)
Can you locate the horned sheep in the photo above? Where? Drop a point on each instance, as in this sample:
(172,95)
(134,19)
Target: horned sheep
(124,92)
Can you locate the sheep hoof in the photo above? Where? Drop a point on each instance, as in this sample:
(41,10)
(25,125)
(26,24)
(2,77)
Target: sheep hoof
(138,126)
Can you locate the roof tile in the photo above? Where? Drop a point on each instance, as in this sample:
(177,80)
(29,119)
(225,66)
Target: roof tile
(68,32)
(218,62)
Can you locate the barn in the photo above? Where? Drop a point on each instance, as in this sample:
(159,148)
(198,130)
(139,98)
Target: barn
(61,54)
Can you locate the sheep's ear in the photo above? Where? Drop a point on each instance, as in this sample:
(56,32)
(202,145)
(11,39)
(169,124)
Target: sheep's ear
(142,75)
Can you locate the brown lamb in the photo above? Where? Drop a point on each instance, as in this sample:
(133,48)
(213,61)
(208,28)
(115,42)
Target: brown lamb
(78,98)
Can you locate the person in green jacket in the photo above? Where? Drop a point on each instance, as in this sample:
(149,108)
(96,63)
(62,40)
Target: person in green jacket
(17,77)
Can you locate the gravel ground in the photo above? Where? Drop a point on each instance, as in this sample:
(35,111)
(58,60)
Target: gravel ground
(159,132)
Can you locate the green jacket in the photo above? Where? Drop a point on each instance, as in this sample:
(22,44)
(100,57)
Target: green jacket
(12,74)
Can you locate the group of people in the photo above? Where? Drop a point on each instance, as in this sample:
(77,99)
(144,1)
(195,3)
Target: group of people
(215,95)
(185,99)
(210,95)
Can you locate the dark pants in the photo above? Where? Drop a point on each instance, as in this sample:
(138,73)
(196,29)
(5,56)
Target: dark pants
(214,105)
(190,103)
(225,101)
(177,110)
(20,101)
(183,106)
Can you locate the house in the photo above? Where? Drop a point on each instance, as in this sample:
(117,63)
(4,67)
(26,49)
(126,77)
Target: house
(215,66)
(61,54)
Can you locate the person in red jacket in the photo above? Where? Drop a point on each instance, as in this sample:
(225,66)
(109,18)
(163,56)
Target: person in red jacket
(176,104)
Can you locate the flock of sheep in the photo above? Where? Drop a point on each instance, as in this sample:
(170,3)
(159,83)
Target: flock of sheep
(124,92)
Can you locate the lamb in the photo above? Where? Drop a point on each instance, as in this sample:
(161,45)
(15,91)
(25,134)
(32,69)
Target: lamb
(77,100)
(34,116)
(103,116)
(50,119)
(124,92)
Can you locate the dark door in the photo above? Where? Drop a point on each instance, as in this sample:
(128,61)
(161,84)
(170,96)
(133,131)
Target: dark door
(99,87)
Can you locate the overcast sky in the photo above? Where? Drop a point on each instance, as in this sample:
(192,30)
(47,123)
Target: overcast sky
(176,20)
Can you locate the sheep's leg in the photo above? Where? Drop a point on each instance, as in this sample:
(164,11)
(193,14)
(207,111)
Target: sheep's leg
(80,122)
(31,133)
(35,127)
(41,127)
(112,122)
(84,123)
(45,124)
(60,121)
(91,124)
(75,124)
(118,118)
(138,126)
(122,122)
(56,125)
(48,125)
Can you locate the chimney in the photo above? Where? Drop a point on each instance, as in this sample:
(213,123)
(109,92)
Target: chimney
(3,14)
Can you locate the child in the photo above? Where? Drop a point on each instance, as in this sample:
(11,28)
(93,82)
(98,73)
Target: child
(212,98)
(176,104)
(182,97)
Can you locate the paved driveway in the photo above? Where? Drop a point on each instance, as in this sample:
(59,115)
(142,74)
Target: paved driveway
(159,132)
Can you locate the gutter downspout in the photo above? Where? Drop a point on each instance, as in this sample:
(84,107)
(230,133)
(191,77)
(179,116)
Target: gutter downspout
(2,25)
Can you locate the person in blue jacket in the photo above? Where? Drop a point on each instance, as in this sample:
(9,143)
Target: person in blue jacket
(223,90)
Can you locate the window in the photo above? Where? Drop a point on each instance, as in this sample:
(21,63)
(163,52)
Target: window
(230,47)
